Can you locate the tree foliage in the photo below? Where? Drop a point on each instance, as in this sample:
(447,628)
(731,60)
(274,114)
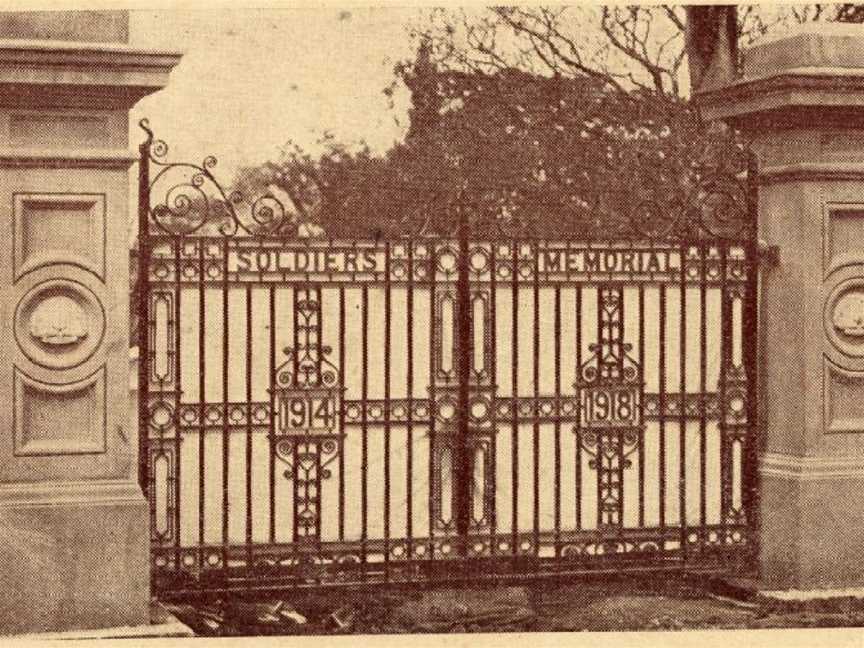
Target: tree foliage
(627,47)
(551,120)
(521,152)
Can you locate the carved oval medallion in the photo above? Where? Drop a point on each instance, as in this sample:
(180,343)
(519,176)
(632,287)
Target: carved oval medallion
(59,324)
(848,314)
(59,320)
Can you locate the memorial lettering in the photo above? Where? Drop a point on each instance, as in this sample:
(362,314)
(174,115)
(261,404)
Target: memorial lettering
(610,406)
(606,261)
(305,260)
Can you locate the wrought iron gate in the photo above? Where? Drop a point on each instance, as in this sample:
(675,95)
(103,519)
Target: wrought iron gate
(318,412)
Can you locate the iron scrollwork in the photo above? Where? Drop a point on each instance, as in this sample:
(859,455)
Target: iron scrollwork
(307,396)
(189,200)
(609,385)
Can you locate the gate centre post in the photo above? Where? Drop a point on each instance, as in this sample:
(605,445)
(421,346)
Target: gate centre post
(463,356)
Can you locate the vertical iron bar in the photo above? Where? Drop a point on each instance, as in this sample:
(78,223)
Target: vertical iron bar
(602,434)
(703,386)
(682,413)
(434,346)
(491,493)
(202,387)
(750,351)
(749,469)
(557,421)
(160,382)
(464,353)
(297,346)
(272,422)
(514,406)
(364,430)
(317,497)
(341,458)
(143,312)
(536,405)
(387,316)
(578,425)
(178,273)
(248,407)
(297,448)
(226,444)
(319,447)
(725,346)
(620,450)
(641,344)
(661,370)
(409,450)
(620,439)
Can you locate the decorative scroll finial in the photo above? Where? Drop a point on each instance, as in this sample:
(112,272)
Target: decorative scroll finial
(144,124)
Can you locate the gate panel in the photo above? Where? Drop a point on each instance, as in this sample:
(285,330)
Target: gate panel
(357,411)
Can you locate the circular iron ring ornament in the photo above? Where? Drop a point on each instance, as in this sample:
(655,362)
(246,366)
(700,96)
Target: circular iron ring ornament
(843,317)
(59,324)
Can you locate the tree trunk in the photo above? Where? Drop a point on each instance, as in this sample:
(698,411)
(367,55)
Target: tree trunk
(711,42)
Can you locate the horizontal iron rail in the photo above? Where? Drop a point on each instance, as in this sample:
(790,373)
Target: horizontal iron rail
(470,573)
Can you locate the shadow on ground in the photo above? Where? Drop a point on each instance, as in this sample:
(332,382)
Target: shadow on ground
(660,603)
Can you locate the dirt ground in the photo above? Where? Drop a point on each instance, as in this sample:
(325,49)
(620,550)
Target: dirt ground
(659,603)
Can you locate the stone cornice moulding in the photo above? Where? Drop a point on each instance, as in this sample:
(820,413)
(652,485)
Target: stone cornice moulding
(51,74)
(90,493)
(71,52)
(798,88)
(812,171)
(801,77)
(67,158)
(810,468)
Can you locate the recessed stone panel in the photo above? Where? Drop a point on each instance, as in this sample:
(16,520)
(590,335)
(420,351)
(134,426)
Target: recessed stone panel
(59,228)
(843,236)
(60,419)
(84,26)
(65,131)
(844,400)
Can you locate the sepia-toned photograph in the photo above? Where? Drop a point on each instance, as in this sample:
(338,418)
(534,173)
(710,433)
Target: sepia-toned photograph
(432,321)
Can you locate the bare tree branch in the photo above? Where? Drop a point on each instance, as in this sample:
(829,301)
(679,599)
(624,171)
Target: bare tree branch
(520,26)
(631,44)
(628,47)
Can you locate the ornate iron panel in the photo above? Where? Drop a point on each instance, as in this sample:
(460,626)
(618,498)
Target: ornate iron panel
(326,412)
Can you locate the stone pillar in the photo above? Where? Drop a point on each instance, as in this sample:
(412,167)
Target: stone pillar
(801,104)
(74,525)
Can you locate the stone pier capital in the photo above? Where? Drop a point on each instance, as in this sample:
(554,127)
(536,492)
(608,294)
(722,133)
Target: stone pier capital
(40,73)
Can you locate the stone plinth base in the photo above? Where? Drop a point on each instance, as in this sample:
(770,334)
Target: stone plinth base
(73,556)
(811,530)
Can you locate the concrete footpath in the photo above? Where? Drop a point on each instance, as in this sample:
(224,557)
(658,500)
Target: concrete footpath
(163,625)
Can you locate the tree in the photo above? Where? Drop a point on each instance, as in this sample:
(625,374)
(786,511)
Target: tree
(626,47)
(557,121)
(523,153)
(711,44)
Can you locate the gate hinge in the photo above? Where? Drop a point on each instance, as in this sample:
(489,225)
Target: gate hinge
(769,254)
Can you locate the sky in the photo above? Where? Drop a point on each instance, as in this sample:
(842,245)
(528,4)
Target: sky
(250,80)
(253,79)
